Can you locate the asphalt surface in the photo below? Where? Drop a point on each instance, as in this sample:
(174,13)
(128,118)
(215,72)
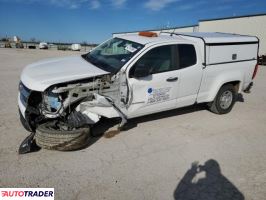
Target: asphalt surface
(153,159)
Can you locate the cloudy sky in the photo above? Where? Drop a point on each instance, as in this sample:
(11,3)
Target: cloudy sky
(96,20)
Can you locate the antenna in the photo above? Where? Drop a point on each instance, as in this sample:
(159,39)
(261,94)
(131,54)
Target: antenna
(173,32)
(161,30)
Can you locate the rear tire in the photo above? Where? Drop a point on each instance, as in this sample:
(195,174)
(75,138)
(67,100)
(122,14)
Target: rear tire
(224,100)
(49,138)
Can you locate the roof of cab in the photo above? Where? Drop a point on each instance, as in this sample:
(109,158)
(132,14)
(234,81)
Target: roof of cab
(209,37)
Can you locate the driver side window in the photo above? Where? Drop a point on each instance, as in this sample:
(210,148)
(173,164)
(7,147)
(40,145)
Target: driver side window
(158,60)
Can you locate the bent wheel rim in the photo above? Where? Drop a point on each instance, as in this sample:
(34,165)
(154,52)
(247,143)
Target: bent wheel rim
(226,99)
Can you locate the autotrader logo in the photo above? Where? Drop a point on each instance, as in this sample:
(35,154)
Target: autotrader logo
(26,193)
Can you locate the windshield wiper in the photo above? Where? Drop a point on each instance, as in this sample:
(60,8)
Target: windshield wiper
(90,59)
(98,63)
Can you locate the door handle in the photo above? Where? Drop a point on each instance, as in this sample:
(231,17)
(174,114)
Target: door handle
(171,79)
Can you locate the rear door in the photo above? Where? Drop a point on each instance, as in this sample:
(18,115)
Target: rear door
(190,74)
(159,90)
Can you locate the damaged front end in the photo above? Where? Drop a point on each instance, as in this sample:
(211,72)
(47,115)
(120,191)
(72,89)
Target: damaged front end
(70,109)
(76,91)
(77,104)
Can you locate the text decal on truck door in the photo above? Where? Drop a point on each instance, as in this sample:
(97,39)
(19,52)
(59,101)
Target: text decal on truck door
(158,95)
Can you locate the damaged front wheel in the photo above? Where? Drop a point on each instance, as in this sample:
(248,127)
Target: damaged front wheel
(49,136)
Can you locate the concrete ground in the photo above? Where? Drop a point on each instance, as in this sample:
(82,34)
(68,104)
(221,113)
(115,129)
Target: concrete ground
(152,160)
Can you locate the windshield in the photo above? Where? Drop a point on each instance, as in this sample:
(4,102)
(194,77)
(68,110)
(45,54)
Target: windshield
(113,54)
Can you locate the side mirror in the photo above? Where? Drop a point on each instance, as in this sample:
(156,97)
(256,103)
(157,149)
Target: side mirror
(142,71)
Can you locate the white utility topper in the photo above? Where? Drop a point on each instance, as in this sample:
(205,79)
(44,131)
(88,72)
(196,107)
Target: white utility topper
(130,76)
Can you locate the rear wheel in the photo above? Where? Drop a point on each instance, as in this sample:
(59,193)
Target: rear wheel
(224,100)
(48,136)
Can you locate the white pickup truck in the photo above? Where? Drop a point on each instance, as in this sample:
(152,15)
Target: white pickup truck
(130,76)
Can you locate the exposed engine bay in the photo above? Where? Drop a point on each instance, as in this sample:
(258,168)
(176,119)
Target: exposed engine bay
(60,99)
(78,103)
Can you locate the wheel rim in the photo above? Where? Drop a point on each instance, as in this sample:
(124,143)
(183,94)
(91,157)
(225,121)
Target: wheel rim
(226,99)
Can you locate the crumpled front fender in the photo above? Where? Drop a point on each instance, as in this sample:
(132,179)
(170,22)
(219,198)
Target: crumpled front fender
(101,106)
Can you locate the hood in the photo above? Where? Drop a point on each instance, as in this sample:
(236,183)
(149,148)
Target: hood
(41,75)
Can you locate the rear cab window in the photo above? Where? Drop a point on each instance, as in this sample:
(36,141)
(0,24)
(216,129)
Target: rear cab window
(187,55)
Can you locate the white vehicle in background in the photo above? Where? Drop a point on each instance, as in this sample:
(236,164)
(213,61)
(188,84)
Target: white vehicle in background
(130,76)
(43,45)
(75,47)
(51,45)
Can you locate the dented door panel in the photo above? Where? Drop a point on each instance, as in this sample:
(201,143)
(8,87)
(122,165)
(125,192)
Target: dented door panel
(153,93)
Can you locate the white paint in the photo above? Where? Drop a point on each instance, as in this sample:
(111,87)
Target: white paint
(92,116)
(39,76)
(217,54)
(154,93)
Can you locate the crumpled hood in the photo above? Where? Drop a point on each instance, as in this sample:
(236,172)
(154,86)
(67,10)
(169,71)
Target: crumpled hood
(41,75)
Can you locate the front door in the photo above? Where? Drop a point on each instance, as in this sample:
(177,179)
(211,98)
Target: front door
(158,90)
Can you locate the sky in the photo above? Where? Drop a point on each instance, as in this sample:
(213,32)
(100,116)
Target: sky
(94,21)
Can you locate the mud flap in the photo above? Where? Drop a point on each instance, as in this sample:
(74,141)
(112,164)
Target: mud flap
(247,90)
(28,145)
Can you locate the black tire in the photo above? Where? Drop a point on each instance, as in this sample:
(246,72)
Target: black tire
(218,106)
(49,138)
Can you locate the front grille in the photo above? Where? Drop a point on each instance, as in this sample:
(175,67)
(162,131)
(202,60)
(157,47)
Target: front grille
(24,94)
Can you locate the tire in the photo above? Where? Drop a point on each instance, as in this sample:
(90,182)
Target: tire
(224,100)
(49,138)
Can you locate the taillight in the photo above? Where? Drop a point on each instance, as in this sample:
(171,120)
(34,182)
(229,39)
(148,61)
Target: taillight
(255,71)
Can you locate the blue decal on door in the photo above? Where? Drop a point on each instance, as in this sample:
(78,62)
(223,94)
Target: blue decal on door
(150,90)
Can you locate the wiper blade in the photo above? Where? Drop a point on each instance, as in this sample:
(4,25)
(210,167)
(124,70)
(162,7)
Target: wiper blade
(89,59)
(102,65)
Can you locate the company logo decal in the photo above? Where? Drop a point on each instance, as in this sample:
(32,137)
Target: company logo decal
(158,95)
(150,90)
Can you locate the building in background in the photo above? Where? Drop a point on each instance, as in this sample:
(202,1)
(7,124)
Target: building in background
(245,25)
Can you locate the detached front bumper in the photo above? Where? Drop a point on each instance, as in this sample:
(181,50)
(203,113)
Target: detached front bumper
(24,122)
(21,107)
(22,103)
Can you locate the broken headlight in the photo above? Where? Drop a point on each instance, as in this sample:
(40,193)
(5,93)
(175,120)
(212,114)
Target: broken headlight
(52,102)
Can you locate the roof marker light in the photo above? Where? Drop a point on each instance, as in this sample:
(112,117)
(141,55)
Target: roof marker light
(148,34)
